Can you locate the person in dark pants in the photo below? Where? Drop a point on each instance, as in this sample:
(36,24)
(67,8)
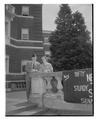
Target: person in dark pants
(32,66)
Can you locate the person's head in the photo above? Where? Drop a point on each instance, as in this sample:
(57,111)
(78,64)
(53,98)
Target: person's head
(34,57)
(47,57)
(44,59)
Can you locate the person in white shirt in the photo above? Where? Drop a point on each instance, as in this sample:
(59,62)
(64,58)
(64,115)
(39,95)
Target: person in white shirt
(46,66)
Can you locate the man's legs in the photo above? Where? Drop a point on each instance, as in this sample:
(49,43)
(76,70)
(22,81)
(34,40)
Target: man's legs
(28,86)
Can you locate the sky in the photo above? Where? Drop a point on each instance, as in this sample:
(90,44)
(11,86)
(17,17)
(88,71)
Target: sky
(50,13)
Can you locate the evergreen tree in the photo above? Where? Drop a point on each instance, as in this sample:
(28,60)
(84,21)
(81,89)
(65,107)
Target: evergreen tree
(70,42)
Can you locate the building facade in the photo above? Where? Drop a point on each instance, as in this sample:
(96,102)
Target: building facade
(9,15)
(23,35)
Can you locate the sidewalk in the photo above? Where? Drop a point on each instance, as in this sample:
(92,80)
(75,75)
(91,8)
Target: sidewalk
(17,105)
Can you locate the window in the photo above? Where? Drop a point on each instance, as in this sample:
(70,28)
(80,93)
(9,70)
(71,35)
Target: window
(46,40)
(7,64)
(10,8)
(25,10)
(6,29)
(23,68)
(25,34)
(47,53)
(7,32)
(23,65)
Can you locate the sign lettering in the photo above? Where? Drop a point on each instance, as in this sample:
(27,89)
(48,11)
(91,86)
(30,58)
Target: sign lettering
(78,86)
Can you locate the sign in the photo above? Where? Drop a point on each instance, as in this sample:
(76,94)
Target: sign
(77,86)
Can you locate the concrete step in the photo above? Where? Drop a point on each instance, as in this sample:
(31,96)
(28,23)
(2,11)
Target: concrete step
(53,102)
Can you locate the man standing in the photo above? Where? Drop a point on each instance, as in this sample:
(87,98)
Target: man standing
(32,66)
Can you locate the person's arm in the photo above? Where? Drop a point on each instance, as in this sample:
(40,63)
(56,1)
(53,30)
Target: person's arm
(51,68)
(37,66)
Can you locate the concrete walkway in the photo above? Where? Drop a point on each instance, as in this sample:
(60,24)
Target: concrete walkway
(17,105)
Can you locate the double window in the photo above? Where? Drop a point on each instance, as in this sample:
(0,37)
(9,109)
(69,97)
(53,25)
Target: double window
(25,10)
(24,34)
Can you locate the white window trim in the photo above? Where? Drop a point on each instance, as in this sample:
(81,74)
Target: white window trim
(8,32)
(24,34)
(46,39)
(47,53)
(31,41)
(26,47)
(16,73)
(7,69)
(21,16)
(47,43)
(24,62)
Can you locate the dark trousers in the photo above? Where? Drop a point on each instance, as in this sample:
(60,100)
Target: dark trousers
(28,85)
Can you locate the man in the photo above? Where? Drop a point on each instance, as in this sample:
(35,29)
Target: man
(32,66)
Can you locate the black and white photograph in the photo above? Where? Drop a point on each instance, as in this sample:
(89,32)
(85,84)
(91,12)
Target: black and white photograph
(49,60)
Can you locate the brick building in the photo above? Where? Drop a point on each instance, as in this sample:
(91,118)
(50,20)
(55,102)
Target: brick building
(23,35)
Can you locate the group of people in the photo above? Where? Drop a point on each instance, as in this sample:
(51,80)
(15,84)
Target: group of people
(34,66)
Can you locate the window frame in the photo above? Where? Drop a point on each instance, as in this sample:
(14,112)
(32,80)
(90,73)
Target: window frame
(47,52)
(25,13)
(24,62)
(46,39)
(7,64)
(22,34)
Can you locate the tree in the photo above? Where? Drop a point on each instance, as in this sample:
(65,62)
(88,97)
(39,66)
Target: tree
(70,42)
